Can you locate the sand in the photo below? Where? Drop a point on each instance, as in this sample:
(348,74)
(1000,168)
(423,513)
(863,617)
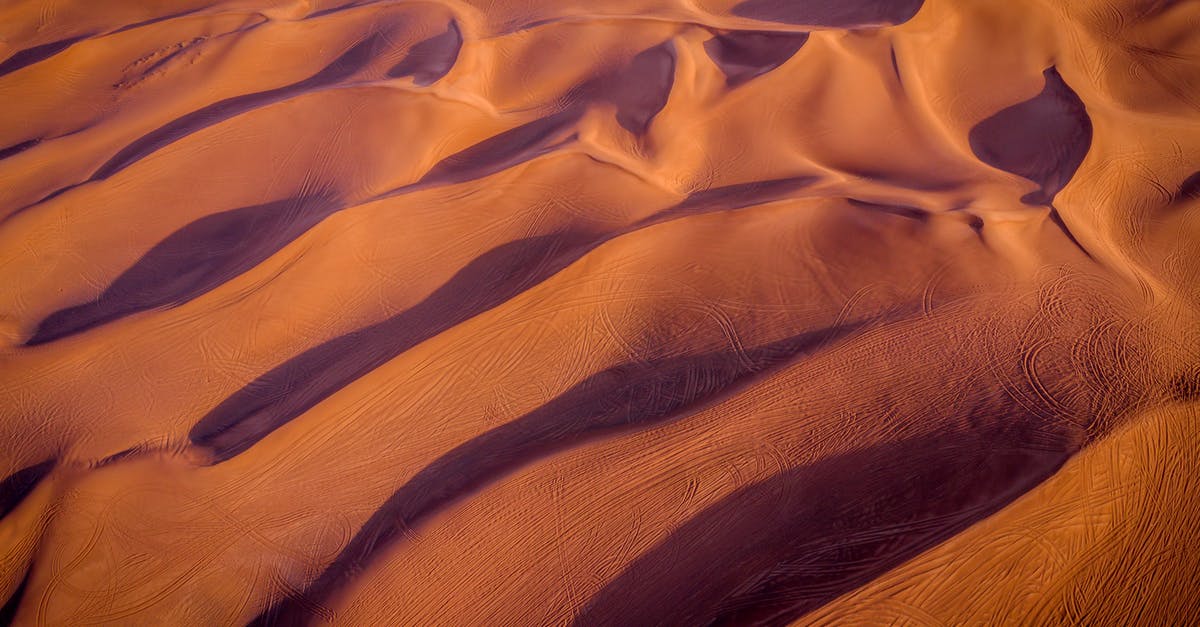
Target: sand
(517,312)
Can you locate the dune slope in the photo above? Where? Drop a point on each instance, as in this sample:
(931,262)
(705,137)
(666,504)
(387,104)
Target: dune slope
(685,312)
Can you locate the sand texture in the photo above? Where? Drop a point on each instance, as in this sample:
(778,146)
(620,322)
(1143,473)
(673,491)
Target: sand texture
(599,312)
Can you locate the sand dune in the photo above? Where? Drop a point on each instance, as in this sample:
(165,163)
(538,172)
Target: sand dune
(601,313)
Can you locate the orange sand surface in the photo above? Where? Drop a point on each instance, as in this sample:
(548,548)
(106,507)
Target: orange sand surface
(600,312)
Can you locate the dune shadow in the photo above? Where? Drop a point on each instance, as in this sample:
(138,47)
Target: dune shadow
(213,249)
(830,13)
(298,384)
(629,396)
(642,89)
(744,55)
(18,148)
(290,389)
(8,612)
(501,151)
(343,67)
(192,261)
(430,60)
(1189,189)
(206,253)
(15,487)
(776,550)
(1043,139)
(29,56)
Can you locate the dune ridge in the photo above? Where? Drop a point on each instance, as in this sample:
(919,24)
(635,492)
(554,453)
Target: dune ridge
(622,312)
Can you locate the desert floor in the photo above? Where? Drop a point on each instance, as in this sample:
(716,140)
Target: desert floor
(599,312)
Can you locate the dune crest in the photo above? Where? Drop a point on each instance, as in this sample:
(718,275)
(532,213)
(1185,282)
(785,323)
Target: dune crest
(625,312)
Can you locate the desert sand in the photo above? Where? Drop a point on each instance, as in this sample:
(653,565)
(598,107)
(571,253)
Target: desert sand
(599,312)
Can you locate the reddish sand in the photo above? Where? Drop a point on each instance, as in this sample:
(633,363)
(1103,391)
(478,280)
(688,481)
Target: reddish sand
(612,312)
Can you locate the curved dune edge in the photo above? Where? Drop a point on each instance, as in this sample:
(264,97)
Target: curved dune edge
(1108,536)
(661,311)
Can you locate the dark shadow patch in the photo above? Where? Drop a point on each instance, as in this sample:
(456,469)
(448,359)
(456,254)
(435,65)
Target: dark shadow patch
(732,197)
(1062,226)
(636,107)
(51,196)
(345,66)
(1043,139)
(20,484)
(29,56)
(621,398)
(502,151)
(191,262)
(743,55)
(161,18)
(904,211)
(830,13)
(19,148)
(337,9)
(295,386)
(641,90)
(8,613)
(745,194)
(430,60)
(776,550)
(279,396)
(1189,189)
